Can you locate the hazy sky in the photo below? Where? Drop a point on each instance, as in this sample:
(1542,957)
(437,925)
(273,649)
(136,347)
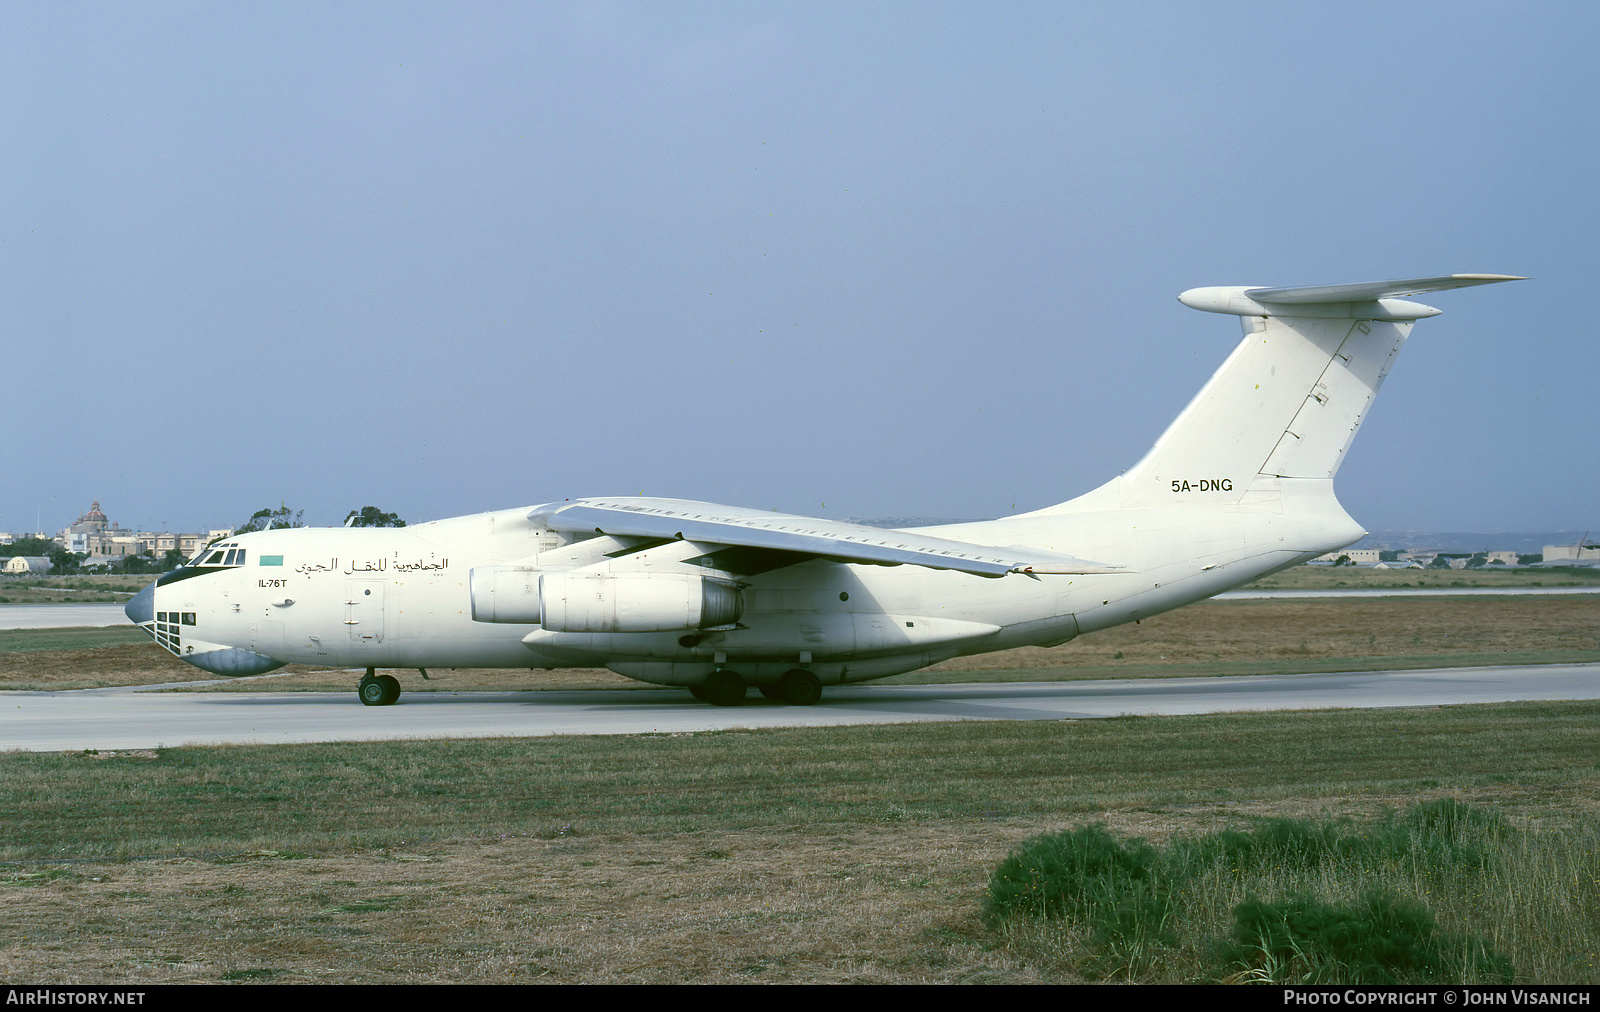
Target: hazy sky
(842,259)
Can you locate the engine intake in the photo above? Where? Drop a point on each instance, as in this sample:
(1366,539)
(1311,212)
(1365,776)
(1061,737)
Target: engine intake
(505,594)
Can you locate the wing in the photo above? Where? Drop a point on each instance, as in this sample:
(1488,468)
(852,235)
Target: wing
(806,536)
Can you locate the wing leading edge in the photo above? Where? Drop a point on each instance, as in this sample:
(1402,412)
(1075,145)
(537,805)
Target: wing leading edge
(834,539)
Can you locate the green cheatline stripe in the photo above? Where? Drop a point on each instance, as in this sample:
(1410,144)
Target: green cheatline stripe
(271,560)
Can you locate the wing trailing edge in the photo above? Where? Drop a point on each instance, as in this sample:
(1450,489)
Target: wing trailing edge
(833,539)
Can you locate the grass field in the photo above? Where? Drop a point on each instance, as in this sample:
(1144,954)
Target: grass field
(69,589)
(840,854)
(856,854)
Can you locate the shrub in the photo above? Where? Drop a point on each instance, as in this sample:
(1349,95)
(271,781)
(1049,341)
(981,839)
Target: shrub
(1083,875)
(1383,940)
(1131,896)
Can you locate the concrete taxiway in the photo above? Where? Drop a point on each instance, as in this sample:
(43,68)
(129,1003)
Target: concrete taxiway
(140,718)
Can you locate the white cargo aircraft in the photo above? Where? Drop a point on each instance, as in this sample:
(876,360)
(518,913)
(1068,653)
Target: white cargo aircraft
(719,598)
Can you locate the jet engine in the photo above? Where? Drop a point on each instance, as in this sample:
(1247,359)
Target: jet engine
(603,602)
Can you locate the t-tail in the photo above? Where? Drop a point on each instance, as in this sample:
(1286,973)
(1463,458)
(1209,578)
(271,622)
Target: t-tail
(1289,400)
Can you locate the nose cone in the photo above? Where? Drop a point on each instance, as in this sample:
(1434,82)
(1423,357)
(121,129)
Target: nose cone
(142,608)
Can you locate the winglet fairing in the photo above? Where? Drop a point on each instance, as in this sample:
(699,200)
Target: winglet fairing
(717,598)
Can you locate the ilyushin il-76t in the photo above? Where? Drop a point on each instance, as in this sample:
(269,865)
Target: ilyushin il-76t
(719,599)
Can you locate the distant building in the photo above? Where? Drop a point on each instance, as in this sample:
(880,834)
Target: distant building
(27,564)
(93,534)
(1580,553)
(1358,556)
(75,536)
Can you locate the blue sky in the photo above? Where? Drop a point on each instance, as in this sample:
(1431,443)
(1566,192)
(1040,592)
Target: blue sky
(840,259)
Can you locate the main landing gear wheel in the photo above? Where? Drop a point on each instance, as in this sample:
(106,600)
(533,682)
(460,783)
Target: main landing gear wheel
(724,688)
(378,690)
(800,688)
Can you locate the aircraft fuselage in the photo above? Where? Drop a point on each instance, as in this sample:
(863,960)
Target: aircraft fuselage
(403,597)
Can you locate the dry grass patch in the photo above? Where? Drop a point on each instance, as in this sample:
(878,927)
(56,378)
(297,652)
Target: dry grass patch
(94,667)
(846,904)
(842,903)
(1271,636)
(70,589)
(815,854)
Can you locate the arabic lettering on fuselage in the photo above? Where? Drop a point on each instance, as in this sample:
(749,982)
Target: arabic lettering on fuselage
(374,566)
(382,565)
(419,565)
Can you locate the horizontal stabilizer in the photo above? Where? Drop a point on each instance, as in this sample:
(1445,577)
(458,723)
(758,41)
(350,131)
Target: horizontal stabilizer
(834,539)
(1371,291)
(1368,300)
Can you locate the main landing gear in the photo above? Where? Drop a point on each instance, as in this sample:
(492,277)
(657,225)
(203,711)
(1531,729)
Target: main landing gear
(726,688)
(378,690)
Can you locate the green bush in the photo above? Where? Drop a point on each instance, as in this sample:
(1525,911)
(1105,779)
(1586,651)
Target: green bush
(1285,843)
(1447,834)
(1131,896)
(1383,940)
(1085,875)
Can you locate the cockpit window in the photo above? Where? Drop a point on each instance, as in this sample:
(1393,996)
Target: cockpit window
(227,555)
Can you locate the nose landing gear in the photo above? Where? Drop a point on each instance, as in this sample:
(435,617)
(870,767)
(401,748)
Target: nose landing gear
(378,690)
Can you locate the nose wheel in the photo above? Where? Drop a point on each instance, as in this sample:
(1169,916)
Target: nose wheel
(378,690)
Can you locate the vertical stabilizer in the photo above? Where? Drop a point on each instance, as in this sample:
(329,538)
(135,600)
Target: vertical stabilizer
(1289,400)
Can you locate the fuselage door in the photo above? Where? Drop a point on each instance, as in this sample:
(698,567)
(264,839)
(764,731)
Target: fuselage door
(363,610)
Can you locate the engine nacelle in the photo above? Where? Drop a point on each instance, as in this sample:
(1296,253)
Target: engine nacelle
(590,602)
(602,602)
(505,594)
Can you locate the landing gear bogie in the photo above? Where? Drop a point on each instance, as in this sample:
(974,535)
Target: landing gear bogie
(724,688)
(800,688)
